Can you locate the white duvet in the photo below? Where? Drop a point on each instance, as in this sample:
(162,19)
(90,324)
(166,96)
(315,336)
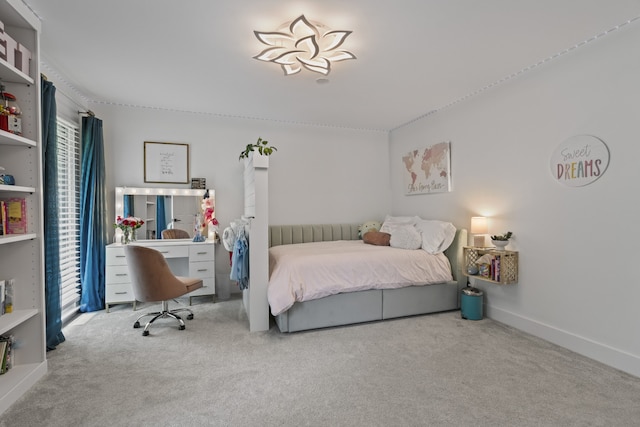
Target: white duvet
(307,271)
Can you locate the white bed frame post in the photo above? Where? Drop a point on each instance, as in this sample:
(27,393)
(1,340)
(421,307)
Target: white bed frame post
(256,207)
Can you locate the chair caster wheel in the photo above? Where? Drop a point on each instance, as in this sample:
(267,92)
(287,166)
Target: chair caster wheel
(145,333)
(136,325)
(190,317)
(181,327)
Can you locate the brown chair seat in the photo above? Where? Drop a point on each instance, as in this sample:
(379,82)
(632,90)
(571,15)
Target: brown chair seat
(153,281)
(175,233)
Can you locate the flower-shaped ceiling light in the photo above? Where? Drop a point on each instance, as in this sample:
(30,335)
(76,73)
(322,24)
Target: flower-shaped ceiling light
(304,45)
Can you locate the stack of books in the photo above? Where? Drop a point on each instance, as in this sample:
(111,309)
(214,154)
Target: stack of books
(13,216)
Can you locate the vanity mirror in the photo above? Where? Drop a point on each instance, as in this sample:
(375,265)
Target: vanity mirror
(160,208)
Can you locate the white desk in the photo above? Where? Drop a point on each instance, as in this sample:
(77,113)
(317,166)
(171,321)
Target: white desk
(185,258)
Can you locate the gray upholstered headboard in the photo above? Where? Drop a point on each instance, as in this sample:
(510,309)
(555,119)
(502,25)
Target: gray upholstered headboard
(290,234)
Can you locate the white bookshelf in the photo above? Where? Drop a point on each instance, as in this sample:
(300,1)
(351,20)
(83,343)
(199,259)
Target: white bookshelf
(22,256)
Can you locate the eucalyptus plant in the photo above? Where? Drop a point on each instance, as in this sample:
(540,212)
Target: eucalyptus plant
(262,147)
(503,237)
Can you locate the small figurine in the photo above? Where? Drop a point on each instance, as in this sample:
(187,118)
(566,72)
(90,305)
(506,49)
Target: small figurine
(6,179)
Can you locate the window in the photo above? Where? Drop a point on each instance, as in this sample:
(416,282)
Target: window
(69,214)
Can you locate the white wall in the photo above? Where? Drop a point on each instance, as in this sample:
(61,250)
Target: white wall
(578,246)
(318,174)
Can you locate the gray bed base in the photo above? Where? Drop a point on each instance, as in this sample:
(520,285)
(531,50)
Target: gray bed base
(366,306)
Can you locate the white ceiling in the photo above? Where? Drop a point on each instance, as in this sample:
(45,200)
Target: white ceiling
(413,56)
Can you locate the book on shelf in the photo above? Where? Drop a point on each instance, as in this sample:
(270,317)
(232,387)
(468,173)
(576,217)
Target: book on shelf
(8,295)
(6,353)
(15,212)
(3,218)
(3,354)
(2,297)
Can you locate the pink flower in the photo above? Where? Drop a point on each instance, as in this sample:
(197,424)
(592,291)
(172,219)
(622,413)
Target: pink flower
(208,211)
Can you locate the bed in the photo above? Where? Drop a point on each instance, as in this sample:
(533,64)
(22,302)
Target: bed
(365,305)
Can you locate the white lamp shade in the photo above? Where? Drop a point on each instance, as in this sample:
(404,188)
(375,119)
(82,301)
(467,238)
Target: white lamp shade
(479,225)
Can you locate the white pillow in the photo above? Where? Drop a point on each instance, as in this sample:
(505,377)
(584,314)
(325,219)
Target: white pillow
(405,237)
(393,221)
(437,236)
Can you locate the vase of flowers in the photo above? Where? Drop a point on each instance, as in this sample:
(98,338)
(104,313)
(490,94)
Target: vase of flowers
(128,225)
(209,215)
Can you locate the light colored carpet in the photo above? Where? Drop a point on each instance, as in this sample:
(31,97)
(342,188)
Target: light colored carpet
(434,370)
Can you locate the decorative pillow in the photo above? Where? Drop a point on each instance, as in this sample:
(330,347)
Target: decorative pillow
(368,226)
(405,237)
(377,238)
(391,222)
(437,236)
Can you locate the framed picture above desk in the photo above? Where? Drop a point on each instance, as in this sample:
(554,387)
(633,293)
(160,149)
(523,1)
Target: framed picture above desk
(166,162)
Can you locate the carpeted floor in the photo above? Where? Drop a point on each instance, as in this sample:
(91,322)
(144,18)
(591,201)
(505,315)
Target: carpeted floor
(434,370)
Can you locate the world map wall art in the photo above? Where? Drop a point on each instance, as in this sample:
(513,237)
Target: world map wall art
(428,170)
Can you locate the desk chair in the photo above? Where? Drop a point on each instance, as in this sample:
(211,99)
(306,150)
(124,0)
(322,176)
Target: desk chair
(153,281)
(175,233)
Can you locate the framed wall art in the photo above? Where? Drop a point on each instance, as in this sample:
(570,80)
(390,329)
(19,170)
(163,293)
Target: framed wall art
(427,170)
(166,162)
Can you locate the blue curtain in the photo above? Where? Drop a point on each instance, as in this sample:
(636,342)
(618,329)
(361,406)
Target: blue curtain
(127,208)
(93,216)
(161,216)
(52,277)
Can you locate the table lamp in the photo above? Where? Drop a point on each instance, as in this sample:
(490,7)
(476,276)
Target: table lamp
(479,227)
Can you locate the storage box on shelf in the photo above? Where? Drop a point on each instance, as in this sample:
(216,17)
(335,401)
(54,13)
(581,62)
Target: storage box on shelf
(502,270)
(14,54)
(22,255)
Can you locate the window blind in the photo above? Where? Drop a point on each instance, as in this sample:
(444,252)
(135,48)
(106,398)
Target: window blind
(69,216)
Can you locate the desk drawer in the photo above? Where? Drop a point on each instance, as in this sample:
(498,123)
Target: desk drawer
(173,251)
(202,270)
(119,293)
(117,274)
(115,256)
(201,253)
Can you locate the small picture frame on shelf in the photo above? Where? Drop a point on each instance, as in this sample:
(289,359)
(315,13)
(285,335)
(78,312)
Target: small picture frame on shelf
(199,183)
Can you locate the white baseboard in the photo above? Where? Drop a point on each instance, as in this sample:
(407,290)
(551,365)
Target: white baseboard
(83,318)
(594,350)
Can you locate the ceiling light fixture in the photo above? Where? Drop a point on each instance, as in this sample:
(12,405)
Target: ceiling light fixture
(301,44)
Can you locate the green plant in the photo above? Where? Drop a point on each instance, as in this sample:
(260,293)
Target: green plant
(261,147)
(505,236)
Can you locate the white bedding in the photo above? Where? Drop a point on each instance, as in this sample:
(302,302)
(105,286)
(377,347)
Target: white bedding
(307,271)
